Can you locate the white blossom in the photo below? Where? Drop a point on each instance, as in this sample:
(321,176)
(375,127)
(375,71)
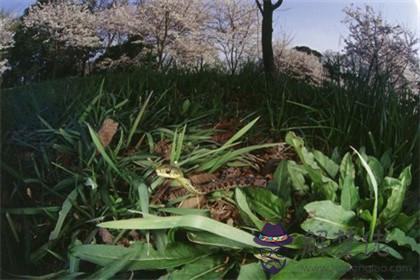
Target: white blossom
(376,49)
(64,21)
(6,41)
(118,22)
(298,64)
(176,29)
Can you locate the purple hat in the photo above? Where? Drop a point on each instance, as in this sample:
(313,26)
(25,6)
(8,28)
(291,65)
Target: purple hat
(273,235)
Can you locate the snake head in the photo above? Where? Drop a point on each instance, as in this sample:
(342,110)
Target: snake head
(167,171)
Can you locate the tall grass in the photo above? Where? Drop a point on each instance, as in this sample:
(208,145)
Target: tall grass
(47,150)
(330,116)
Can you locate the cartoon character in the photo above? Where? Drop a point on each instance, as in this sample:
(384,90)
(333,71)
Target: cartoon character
(273,237)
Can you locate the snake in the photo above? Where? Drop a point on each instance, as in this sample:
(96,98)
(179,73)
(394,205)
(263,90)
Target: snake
(170,172)
(187,187)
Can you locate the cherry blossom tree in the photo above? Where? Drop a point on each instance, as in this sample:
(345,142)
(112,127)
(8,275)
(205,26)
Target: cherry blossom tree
(176,30)
(69,31)
(299,64)
(173,31)
(234,26)
(118,22)
(65,21)
(376,50)
(6,41)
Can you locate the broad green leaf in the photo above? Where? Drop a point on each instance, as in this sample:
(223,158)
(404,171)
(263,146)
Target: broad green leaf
(305,156)
(251,271)
(405,222)
(395,200)
(297,173)
(402,239)
(335,155)
(377,170)
(326,163)
(346,169)
(61,274)
(266,204)
(314,268)
(142,256)
(114,267)
(281,185)
(366,215)
(242,203)
(301,242)
(374,185)
(209,239)
(390,183)
(360,250)
(386,160)
(186,211)
(323,184)
(187,221)
(349,194)
(65,209)
(210,267)
(327,219)
(327,188)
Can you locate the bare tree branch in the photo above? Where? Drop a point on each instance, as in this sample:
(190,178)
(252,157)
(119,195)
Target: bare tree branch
(259,6)
(278,4)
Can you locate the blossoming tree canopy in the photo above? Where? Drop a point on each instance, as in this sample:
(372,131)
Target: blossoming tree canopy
(234,27)
(64,21)
(376,48)
(176,30)
(6,41)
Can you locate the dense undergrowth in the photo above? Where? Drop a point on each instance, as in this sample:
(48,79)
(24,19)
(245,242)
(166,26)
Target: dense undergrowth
(59,182)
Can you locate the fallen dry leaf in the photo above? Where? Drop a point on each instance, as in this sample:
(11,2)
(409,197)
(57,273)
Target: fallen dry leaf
(163,148)
(193,202)
(223,211)
(106,133)
(106,236)
(227,130)
(134,235)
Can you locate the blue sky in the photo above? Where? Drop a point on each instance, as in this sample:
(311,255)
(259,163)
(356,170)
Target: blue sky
(317,23)
(314,23)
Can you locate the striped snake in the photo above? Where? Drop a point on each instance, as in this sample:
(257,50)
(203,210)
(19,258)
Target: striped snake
(187,187)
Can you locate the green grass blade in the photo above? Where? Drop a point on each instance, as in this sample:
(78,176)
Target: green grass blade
(241,132)
(375,190)
(109,271)
(187,221)
(102,151)
(138,119)
(67,205)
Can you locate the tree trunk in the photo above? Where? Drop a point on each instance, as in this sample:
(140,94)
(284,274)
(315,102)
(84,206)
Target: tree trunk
(267,8)
(266,39)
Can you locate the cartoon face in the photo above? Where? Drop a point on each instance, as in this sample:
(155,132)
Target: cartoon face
(168,171)
(271,260)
